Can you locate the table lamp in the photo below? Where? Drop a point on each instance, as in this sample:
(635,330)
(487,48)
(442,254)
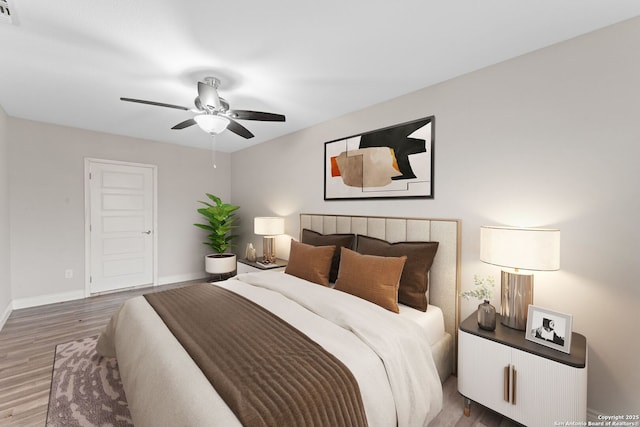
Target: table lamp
(519,248)
(268,227)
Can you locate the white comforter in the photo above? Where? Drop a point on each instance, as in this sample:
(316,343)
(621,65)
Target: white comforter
(388,356)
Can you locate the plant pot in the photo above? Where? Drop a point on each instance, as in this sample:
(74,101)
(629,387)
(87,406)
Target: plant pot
(220,263)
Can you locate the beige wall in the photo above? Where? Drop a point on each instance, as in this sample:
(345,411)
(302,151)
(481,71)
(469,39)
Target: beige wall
(547,139)
(46,167)
(5,275)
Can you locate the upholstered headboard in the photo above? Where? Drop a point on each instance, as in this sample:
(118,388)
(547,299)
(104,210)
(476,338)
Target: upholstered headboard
(444,278)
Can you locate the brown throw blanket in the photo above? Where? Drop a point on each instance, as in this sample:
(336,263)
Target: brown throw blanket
(267,372)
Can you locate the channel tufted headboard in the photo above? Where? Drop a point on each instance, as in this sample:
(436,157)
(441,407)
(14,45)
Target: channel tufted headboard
(444,277)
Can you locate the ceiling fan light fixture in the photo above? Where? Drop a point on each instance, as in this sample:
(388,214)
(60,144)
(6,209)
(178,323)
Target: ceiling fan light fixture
(211,123)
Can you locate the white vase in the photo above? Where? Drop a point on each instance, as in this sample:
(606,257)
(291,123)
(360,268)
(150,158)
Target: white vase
(250,253)
(220,263)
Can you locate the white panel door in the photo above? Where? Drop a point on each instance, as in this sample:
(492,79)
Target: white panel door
(121,253)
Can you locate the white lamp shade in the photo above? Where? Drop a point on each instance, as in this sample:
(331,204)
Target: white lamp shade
(211,123)
(268,225)
(521,248)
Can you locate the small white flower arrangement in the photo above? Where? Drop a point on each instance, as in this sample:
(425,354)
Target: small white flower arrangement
(483,290)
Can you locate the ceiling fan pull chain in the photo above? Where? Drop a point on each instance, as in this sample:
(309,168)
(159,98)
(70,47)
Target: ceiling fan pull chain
(213,151)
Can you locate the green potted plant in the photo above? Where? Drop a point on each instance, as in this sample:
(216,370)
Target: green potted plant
(221,219)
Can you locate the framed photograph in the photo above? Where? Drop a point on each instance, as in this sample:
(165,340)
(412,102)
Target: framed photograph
(394,162)
(549,328)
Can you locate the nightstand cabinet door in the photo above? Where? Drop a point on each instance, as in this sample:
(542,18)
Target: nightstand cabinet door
(481,366)
(547,391)
(532,390)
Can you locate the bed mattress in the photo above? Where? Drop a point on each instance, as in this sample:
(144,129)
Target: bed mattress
(430,321)
(389,356)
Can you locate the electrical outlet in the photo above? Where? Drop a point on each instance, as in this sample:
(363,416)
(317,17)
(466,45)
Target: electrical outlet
(68,274)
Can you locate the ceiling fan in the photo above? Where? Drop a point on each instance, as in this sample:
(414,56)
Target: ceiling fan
(213,112)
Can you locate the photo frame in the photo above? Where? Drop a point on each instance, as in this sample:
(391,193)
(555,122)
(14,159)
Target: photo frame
(549,328)
(392,162)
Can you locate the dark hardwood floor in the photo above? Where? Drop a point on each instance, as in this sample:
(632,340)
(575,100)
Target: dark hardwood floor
(29,338)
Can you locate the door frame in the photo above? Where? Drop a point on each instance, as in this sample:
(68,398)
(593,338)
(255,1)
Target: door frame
(87,218)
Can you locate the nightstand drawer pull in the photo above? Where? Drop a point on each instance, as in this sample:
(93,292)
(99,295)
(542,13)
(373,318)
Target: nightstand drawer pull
(506,383)
(514,378)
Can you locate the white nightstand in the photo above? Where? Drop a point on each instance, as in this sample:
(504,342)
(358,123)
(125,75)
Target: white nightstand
(246,266)
(529,383)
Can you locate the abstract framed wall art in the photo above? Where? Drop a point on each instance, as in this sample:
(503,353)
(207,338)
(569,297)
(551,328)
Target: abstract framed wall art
(393,162)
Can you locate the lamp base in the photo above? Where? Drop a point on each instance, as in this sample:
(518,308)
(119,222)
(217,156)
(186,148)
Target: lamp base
(269,249)
(516,295)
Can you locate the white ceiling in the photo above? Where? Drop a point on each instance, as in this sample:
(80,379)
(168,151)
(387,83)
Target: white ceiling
(68,62)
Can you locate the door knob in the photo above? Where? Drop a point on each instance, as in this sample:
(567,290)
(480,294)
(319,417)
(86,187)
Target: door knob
(146,232)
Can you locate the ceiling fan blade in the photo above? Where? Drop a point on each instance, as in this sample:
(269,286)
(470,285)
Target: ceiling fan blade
(208,95)
(198,104)
(159,104)
(256,115)
(185,124)
(238,129)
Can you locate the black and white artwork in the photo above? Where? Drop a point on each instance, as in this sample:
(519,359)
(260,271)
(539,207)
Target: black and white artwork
(394,162)
(549,328)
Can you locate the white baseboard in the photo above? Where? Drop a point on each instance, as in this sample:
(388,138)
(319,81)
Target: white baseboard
(5,315)
(47,299)
(166,280)
(74,295)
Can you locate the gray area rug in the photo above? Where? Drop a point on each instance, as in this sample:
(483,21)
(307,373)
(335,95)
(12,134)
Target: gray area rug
(86,391)
(85,388)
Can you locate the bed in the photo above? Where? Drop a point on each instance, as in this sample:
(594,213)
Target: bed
(395,362)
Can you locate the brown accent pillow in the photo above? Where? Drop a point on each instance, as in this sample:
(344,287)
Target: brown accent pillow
(338,240)
(415,279)
(310,263)
(370,277)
